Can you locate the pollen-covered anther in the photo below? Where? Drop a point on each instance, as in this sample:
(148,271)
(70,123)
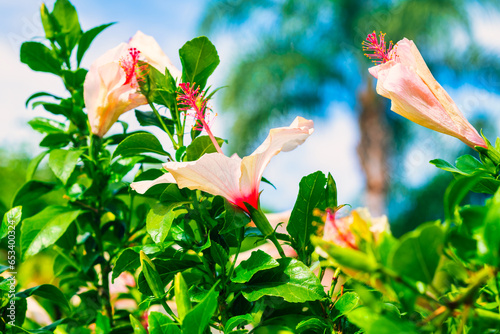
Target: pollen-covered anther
(376,48)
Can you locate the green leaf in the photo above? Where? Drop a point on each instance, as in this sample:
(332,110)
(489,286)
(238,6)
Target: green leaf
(199,59)
(417,255)
(292,280)
(74,79)
(234,218)
(152,276)
(34,163)
(50,25)
(67,17)
(313,325)
(148,118)
(160,323)
(373,323)
(167,269)
(198,319)
(39,58)
(456,192)
(102,324)
(31,191)
(39,94)
(63,162)
(347,257)
(160,218)
(258,261)
(56,140)
(219,255)
(236,321)
(345,304)
(491,251)
(136,325)
(127,260)
(139,143)
(46,291)
(46,125)
(200,146)
(45,228)
(172,193)
(10,220)
(181,296)
(86,40)
(300,226)
(331,192)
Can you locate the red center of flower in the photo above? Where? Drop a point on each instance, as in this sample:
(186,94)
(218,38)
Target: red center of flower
(129,65)
(379,53)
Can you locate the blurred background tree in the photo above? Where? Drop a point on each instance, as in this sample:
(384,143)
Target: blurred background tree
(308,54)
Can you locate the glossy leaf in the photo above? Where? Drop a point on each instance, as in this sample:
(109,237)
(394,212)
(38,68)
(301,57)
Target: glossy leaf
(200,146)
(148,118)
(417,255)
(65,14)
(160,218)
(10,220)
(234,218)
(181,296)
(63,162)
(86,40)
(236,321)
(47,291)
(199,59)
(31,191)
(300,226)
(139,143)
(46,125)
(127,260)
(292,280)
(39,58)
(45,228)
(136,325)
(258,261)
(159,323)
(34,163)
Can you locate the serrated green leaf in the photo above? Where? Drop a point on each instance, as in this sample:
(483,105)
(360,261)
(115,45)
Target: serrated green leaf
(45,228)
(200,146)
(139,143)
(67,17)
(63,162)
(258,261)
(148,118)
(166,269)
(39,58)
(346,303)
(292,280)
(199,59)
(219,255)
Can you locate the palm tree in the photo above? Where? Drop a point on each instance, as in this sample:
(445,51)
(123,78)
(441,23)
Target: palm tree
(308,51)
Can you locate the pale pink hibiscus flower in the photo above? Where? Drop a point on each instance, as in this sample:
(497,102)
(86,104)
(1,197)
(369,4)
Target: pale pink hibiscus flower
(111,87)
(404,77)
(236,179)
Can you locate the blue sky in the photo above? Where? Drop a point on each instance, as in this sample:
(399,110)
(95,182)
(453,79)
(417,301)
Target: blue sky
(331,148)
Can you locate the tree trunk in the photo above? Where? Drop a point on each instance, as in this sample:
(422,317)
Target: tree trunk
(376,137)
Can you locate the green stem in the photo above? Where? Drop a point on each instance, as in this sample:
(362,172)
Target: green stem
(176,146)
(260,220)
(233,265)
(477,281)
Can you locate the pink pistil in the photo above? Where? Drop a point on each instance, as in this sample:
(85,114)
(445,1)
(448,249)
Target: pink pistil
(379,53)
(193,99)
(129,65)
(344,237)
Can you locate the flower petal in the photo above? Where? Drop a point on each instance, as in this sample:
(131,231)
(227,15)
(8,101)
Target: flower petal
(153,53)
(213,173)
(142,186)
(279,139)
